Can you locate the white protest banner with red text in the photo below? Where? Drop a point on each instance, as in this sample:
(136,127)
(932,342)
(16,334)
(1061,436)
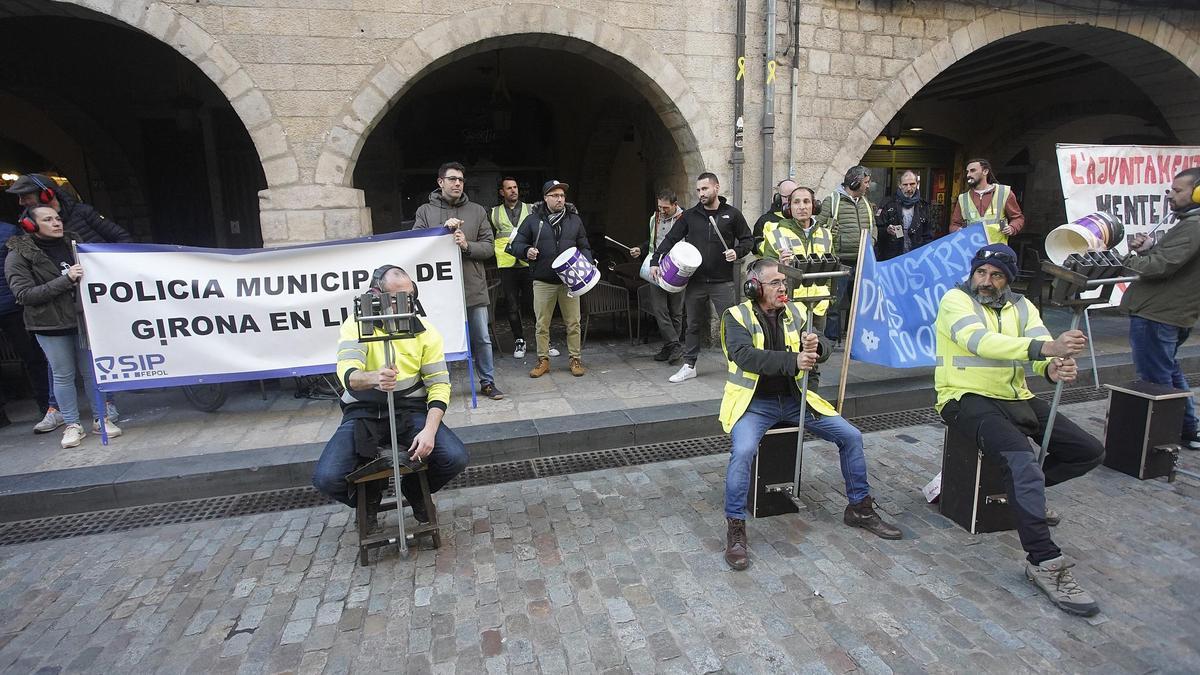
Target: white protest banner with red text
(1128,181)
(170,315)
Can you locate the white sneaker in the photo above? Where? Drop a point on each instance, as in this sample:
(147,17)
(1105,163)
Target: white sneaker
(110,411)
(72,435)
(553,351)
(519,349)
(50,422)
(112,429)
(686,372)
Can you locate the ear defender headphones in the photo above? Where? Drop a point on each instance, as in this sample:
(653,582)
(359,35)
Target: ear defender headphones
(381,271)
(812,194)
(854,177)
(46,195)
(752,287)
(1196,193)
(26,222)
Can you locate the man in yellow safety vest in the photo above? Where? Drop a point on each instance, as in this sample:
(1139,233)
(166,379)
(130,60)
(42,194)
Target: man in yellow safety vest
(989,203)
(505,218)
(768,347)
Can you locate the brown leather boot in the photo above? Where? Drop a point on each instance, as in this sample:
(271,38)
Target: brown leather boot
(736,554)
(542,367)
(863,515)
(577,368)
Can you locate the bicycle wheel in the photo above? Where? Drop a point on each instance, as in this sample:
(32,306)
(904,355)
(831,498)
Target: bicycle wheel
(206,397)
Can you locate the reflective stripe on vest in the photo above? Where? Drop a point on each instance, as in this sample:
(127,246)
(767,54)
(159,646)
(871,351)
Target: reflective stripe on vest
(819,242)
(993,219)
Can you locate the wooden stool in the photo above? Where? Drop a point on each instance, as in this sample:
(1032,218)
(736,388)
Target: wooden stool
(1141,434)
(774,466)
(380,470)
(973,493)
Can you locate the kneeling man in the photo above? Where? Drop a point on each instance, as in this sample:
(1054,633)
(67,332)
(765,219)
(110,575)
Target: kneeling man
(768,346)
(421,383)
(985,336)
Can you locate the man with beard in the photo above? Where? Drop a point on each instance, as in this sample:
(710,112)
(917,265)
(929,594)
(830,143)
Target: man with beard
(985,335)
(720,233)
(450,207)
(665,307)
(904,222)
(505,217)
(553,227)
(1161,304)
(989,203)
(769,345)
(847,212)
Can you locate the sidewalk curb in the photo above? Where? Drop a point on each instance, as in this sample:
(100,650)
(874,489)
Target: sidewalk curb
(115,486)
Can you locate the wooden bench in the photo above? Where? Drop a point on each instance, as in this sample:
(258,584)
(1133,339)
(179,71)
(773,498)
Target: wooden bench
(380,469)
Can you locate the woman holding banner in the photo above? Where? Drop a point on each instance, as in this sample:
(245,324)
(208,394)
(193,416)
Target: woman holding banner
(43,274)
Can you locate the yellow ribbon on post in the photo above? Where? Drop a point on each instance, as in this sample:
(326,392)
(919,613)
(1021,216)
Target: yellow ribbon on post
(770,71)
(741,63)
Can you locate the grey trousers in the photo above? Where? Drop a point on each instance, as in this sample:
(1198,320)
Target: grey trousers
(696,297)
(667,310)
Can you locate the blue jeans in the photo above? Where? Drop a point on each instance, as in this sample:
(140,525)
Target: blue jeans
(1154,348)
(448,459)
(481,344)
(761,415)
(66,356)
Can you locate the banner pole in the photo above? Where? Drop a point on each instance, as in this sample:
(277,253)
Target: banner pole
(863,237)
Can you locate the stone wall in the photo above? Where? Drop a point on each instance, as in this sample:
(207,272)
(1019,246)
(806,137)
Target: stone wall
(311,78)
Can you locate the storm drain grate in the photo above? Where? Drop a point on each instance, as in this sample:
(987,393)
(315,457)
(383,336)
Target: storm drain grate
(197,510)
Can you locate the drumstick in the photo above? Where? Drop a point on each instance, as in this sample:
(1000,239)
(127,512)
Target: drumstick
(627,248)
(713,222)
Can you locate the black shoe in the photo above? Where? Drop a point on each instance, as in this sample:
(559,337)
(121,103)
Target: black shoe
(863,515)
(490,390)
(1052,517)
(418,509)
(664,353)
(1190,441)
(676,355)
(4,421)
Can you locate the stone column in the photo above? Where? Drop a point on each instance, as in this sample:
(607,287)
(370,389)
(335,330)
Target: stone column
(310,213)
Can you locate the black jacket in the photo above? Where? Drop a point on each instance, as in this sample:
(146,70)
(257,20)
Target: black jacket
(920,232)
(84,221)
(39,285)
(695,228)
(552,240)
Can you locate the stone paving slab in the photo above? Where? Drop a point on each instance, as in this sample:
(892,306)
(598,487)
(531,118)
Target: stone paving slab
(621,571)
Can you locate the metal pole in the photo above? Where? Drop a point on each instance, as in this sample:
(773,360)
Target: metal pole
(768,118)
(863,237)
(1058,389)
(391,397)
(795,86)
(1087,325)
(739,104)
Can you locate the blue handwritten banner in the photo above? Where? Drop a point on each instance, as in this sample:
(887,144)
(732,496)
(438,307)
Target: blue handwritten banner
(898,299)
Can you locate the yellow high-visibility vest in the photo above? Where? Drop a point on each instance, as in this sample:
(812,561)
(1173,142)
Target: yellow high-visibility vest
(503,233)
(788,234)
(993,218)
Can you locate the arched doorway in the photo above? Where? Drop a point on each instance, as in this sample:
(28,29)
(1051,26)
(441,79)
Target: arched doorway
(1012,99)
(532,113)
(136,128)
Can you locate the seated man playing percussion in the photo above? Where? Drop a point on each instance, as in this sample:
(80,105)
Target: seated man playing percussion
(421,384)
(985,336)
(551,228)
(768,348)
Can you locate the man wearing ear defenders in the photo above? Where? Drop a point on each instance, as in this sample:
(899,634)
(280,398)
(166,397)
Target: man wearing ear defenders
(847,212)
(768,345)
(797,234)
(421,384)
(777,212)
(1162,305)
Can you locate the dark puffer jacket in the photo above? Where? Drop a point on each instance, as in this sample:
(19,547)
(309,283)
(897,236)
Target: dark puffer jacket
(86,222)
(549,240)
(38,283)
(8,303)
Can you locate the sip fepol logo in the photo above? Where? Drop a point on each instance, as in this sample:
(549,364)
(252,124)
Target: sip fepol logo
(129,366)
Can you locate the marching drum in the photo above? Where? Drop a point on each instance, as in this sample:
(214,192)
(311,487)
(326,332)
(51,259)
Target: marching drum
(1098,231)
(576,271)
(677,266)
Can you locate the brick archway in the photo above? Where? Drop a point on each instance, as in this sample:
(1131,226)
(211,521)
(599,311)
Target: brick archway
(160,21)
(1152,31)
(544,26)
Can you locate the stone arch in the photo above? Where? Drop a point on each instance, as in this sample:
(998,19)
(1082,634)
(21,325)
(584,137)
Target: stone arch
(996,26)
(649,72)
(158,20)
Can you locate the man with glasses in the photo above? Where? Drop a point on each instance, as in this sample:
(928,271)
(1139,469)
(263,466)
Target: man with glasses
(450,207)
(985,336)
(768,345)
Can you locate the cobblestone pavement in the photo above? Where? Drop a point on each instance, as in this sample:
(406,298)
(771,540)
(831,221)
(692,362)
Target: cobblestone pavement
(621,571)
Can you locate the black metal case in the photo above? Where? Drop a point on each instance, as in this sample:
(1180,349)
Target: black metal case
(1142,433)
(973,493)
(774,467)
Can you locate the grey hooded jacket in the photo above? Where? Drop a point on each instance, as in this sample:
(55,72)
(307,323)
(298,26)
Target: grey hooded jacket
(479,235)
